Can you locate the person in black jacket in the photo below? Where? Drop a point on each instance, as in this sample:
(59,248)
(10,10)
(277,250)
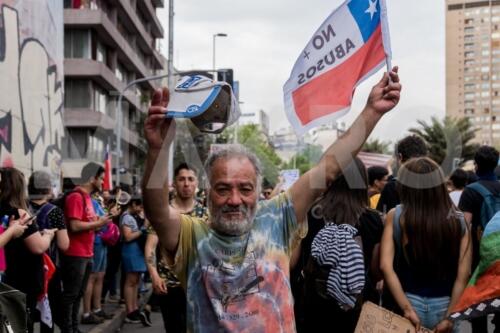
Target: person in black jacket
(408,147)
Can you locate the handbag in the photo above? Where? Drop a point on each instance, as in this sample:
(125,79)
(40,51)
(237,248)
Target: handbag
(110,235)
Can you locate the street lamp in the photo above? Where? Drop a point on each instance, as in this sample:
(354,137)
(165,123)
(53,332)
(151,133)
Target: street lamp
(213,49)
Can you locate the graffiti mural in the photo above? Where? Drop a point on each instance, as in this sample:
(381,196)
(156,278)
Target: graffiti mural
(31,76)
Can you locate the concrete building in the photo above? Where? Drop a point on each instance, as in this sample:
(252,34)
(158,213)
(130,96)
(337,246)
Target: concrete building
(473,65)
(108,44)
(259,118)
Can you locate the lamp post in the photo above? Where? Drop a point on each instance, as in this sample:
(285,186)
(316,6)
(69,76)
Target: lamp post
(213,49)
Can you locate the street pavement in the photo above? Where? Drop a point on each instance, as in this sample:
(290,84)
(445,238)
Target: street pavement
(138,328)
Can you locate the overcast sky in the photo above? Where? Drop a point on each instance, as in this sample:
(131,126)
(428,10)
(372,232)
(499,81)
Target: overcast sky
(265,38)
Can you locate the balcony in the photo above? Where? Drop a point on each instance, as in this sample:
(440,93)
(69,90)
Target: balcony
(130,18)
(156,27)
(100,73)
(99,21)
(88,118)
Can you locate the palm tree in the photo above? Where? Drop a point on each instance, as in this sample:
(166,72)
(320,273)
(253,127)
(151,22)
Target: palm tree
(448,139)
(376,146)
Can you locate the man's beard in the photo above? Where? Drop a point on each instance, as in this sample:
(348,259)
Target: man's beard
(232,226)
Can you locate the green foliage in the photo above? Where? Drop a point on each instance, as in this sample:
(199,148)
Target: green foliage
(448,139)
(191,145)
(251,137)
(377,146)
(305,159)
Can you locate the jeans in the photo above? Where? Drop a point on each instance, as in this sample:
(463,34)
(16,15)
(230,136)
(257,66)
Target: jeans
(75,273)
(430,310)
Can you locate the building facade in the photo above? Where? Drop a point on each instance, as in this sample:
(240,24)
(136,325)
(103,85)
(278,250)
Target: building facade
(108,44)
(259,118)
(473,65)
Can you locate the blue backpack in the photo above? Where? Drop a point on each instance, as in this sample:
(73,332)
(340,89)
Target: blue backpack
(491,203)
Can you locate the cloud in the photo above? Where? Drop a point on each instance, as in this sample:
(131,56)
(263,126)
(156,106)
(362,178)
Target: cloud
(265,37)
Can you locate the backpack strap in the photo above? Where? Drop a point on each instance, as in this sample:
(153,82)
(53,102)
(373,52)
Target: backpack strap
(43,213)
(481,189)
(396,229)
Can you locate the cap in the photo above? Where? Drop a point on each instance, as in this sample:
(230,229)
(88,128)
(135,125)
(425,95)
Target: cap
(209,104)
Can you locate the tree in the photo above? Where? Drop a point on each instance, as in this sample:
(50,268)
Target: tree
(305,159)
(448,139)
(252,137)
(254,140)
(376,146)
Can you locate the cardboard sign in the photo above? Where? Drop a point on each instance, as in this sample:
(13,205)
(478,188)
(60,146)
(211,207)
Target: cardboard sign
(375,319)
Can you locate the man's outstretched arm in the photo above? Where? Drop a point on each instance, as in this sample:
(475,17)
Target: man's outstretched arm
(383,97)
(159,133)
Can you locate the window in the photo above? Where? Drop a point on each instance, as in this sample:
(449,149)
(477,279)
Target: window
(101,53)
(469,46)
(100,100)
(469,96)
(469,54)
(95,149)
(77,94)
(121,73)
(469,30)
(77,44)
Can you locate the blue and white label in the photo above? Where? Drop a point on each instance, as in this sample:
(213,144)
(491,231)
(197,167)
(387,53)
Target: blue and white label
(191,81)
(192,108)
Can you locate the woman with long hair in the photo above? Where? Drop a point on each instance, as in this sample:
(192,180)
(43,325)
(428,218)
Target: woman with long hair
(425,251)
(27,274)
(343,208)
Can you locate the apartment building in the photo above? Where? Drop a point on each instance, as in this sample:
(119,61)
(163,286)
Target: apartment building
(473,65)
(108,44)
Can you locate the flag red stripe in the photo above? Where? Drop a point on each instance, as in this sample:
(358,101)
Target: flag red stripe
(107,174)
(332,91)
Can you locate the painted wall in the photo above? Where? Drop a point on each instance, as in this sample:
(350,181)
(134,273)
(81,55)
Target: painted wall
(31,85)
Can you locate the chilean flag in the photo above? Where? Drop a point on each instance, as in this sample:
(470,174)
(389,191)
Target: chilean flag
(351,44)
(106,186)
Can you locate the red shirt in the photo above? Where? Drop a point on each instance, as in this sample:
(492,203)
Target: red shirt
(81,244)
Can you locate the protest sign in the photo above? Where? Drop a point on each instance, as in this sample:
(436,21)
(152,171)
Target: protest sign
(374,318)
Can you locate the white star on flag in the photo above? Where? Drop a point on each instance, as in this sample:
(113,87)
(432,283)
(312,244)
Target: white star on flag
(372,9)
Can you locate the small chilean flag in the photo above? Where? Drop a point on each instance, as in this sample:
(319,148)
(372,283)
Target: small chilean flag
(106,186)
(352,44)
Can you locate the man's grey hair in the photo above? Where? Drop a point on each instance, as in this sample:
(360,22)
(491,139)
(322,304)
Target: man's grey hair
(233,151)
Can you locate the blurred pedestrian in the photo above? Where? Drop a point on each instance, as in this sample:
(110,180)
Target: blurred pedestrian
(49,216)
(76,263)
(24,254)
(425,250)
(408,147)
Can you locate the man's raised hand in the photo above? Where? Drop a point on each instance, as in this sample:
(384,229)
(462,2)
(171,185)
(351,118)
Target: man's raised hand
(158,128)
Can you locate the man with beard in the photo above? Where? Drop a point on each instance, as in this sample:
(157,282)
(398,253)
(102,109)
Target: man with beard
(235,268)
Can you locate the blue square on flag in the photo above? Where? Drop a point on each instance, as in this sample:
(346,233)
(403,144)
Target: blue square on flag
(367,15)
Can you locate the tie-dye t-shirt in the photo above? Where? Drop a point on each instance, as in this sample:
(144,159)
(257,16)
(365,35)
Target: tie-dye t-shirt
(240,284)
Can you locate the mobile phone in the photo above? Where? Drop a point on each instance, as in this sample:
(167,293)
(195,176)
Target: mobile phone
(33,217)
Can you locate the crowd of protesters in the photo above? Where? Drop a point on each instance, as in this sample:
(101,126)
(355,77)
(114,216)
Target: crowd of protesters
(247,257)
